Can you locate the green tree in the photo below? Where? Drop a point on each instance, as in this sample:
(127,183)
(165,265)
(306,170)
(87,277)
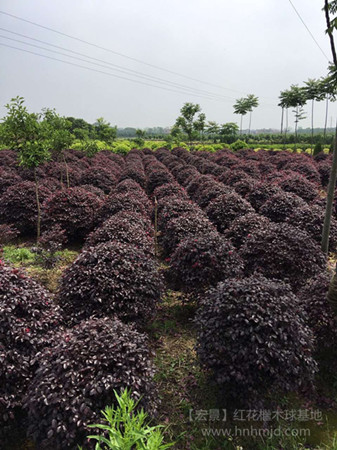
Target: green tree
(140,137)
(188,123)
(56,131)
(328,89)
(228,132)
(212,130)
(285,104)
(23,133)
(314,93)
(297,99)
(104,131)
(241,107)
(200,125)
(252,102)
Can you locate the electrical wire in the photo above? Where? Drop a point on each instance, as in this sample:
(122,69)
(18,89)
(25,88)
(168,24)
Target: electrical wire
(115,66)
(117,53)
(107,73)
(312,36)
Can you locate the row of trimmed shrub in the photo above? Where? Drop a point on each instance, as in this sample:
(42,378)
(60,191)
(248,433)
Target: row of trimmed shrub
(62,363)
(254,334)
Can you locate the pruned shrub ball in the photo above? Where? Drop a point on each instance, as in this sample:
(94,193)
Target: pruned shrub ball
(77,377)
(261,193)
(169,189)
(321,317)
(190,224)
(253,336)
(18,206)
(172,207)
(126,227)
(283,252)
(74,209)
(202,261)
(100,177)
(310,218)
(134,172)
(299,185)
(158,178)
(242,227)
(225,208)
(111,278)
(136,202)
(281,206)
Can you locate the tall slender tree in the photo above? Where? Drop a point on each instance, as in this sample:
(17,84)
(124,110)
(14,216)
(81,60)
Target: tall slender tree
(330,10)
(252,102)
(241,107)
(297,99)
(314,93)
(329,91)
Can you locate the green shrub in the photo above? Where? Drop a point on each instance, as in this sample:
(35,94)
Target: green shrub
(122,148)
(318,149)
(237,145)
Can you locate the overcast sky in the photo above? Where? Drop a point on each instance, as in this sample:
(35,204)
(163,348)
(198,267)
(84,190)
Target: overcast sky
(233,48)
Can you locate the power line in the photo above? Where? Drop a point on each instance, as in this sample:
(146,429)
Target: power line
(107,73)
(116,53)
(115,66)
(313,37)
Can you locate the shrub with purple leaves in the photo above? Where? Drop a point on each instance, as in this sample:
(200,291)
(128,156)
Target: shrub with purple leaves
(242,227)
(27,317)
(8,178)
(226,208)
(204,196)
(8,158)
(171,207)
(170,189)
(324,169)
(18,206)
(321,318)
(157,178)
(58,170)
(134,172)
(186,225)
(202,261)
(200,183)
(100,177)
(299,185)
(186,174)
(8,233)
(129,185)
(74,209)
(245,187)
(262,192)
(125,227)
(77,377)
(281,206)
(306,168)
(94,190)
(111,278)
(254,338)
(311,219)
(283,252)
(136,202)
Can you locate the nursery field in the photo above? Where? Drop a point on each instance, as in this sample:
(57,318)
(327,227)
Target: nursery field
(193,279)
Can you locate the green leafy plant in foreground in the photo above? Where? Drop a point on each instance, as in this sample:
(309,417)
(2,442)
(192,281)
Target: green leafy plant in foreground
(127,429)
